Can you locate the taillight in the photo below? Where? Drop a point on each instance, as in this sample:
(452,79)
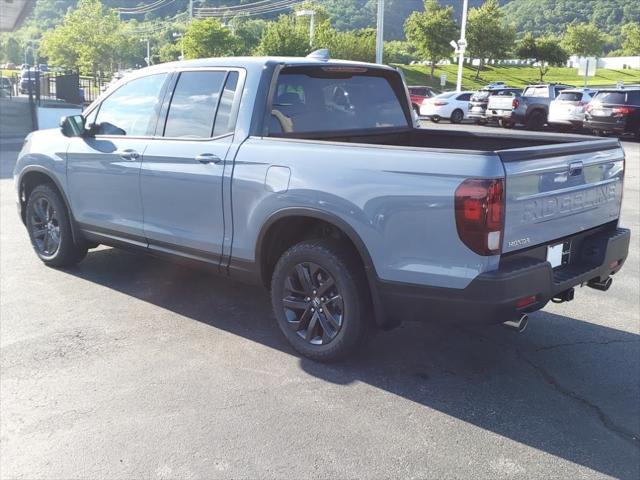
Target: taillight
(515,103)
(479,205)
(439,103)
(622,111)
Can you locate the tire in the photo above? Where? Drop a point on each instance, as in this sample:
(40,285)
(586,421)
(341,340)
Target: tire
(435,118)
(298,281)
(536,120)
(49,227)
(457,116)
(505,123)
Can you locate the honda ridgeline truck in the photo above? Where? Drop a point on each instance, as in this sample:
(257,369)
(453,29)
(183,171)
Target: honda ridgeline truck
(308,176)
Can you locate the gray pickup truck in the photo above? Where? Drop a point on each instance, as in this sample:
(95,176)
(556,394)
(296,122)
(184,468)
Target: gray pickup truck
(308,176)
(531,108)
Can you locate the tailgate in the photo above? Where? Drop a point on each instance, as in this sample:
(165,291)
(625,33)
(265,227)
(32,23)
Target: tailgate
(500,103)
(553,191)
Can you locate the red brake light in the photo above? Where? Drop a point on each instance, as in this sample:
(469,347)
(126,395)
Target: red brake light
(479,205)
(622,111)
(515,103)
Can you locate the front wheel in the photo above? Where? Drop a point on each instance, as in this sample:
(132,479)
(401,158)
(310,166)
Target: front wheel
(49,228)
(457,116)
(321,300)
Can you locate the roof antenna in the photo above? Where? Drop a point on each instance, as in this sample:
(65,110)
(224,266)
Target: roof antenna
(321,54)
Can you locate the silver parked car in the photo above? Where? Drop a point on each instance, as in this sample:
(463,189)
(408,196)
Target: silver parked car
(568,108)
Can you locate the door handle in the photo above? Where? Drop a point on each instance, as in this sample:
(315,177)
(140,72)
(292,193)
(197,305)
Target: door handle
(128,154)
(208,158)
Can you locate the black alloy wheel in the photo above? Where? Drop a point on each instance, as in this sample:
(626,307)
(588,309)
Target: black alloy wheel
(313,305)
(45,227)
(49,227)
(321,299)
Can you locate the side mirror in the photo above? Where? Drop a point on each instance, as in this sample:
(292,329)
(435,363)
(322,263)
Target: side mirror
(72,126)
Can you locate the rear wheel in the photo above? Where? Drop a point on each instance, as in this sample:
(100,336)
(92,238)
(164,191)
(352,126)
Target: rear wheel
(321,301)
(536,120)
(435,118)
(504,123)
(457,116)
(49,228)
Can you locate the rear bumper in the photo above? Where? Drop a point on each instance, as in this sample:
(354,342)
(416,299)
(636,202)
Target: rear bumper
(615,125)
(492,296)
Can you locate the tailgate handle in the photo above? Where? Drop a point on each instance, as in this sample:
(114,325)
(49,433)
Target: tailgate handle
(575,168)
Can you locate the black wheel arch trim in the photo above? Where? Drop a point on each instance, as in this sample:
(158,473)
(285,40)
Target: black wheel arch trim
(75,230)
(348,230)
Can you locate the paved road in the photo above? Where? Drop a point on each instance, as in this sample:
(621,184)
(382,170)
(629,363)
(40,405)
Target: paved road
(128,367)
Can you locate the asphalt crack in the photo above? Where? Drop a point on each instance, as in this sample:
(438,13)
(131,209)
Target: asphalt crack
(609,424)
(621,432)
(588,342)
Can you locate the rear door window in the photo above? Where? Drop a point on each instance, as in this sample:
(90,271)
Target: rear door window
(465,97)
(323,100)
(193,104)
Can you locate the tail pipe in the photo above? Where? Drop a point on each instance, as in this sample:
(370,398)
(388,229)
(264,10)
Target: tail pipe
(518,325)
(603,286)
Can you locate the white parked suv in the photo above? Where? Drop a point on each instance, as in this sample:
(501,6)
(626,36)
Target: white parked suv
(451,105)
(568,109)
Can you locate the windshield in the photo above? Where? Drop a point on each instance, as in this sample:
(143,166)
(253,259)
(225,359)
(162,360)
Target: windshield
(315,100)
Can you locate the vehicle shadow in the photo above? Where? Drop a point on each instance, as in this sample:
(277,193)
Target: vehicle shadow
(566,387)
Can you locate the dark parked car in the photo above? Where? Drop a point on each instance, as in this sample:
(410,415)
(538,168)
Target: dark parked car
(614,111)
(28,76)
(418,95)
(480,100)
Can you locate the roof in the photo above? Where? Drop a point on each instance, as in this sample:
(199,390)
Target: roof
(14,13)
(251,63)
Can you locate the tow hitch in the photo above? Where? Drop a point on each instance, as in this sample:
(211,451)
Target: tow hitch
(565,296)
(603,286)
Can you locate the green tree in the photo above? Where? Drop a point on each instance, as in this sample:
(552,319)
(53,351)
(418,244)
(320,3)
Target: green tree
(13,51)
(168,52)
(396,51)
(584,40)
(431,31)
(90,38)
(248,33)
(631,39)
(285,37)
(546,51)
(488,36)
(208,38)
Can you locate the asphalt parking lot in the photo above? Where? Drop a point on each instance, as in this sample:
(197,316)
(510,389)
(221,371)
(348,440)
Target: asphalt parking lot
(130,367)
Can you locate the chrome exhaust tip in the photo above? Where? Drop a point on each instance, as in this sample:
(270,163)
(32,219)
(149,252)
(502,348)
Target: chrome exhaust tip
(518,325)
(602,286)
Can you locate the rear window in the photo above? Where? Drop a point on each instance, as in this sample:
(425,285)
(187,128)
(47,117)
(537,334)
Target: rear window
(631,97)
(542,92)
(570,96)
(316,100)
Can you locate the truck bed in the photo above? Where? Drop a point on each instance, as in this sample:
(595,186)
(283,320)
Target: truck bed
(450,139)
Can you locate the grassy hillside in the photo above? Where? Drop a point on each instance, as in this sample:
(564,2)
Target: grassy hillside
(514,76)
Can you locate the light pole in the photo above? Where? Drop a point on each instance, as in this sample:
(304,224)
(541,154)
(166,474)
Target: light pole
(148,57)
(312,22)
(462,44)
(380,32)
(180,35)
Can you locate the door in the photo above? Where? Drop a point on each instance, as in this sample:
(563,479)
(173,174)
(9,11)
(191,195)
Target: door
(183,166)
(103,171)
